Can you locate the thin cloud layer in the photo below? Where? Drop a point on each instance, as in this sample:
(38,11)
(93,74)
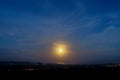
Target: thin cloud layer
(91,30)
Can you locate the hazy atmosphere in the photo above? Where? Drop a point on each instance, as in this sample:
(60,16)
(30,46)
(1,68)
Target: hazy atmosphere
(30,30)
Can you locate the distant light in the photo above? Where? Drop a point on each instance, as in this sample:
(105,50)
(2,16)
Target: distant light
(61,63)
(60,50)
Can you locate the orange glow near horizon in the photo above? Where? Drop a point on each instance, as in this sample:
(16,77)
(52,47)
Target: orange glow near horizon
(60,49)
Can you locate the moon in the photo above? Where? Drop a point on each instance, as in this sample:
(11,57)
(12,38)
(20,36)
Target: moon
(60,50)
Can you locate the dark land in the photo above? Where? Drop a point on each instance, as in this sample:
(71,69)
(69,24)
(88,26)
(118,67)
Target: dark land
(38,71)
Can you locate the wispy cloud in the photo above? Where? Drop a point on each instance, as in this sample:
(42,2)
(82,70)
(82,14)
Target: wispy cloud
(32,25)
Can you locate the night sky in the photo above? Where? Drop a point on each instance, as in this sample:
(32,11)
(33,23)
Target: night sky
(30,28)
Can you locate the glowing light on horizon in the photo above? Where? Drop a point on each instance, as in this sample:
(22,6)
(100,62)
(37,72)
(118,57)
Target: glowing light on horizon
(60,51)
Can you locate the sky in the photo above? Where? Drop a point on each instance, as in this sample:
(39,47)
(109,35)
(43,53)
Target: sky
(90,29)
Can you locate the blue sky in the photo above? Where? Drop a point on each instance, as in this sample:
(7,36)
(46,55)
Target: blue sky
(29,28)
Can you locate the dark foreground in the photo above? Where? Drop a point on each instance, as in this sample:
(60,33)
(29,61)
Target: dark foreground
(64,72)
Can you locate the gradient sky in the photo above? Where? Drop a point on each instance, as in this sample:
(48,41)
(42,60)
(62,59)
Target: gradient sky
(30,28)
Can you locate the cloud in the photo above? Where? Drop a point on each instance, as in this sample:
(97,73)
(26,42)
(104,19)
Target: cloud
(37,29)
(39,24)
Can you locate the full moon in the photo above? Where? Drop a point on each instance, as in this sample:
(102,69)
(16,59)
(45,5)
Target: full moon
(60,50)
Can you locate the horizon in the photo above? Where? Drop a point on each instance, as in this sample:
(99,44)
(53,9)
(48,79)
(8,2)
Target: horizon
(58,64)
